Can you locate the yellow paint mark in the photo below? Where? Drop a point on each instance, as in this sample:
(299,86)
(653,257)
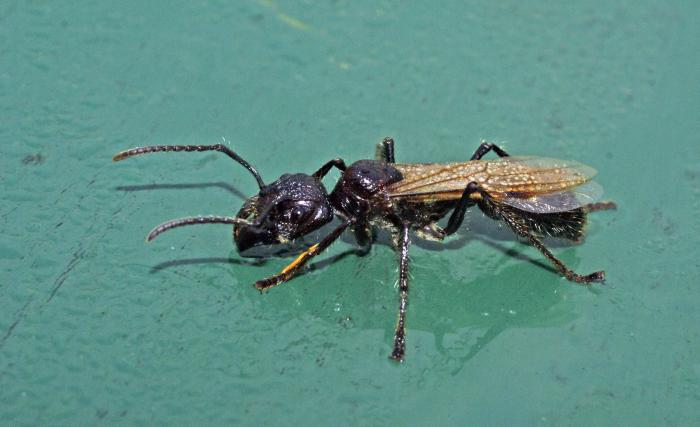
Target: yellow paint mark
(340,64)
(293,22)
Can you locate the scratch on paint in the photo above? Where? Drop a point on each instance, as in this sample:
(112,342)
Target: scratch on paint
(77,257)
(293,22)
(18,318)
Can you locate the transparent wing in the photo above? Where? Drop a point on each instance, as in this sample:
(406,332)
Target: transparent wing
(434,180)
(503,178)
(560,201)
(534,175)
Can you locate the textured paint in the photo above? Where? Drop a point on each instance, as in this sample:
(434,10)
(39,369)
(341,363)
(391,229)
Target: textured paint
(96,325)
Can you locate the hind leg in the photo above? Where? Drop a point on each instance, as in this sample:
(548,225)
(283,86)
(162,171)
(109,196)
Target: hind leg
(385,150)
(600,206)
(485,147)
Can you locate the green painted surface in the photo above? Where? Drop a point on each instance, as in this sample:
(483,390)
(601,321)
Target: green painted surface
(97,326)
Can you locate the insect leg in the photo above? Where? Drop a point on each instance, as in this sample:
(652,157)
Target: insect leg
(485,147)
(363,235)
(464,203)
(217,147)
(520,226)
(295,266)
(385,150)
(598,276)
(600,206)
(400,334)
(338,162)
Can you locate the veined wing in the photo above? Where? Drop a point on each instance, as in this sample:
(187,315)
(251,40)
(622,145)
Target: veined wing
(558,201)
(534,184)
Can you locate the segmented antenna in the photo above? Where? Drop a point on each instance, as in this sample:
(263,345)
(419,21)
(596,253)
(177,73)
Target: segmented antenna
(193,220)
(217,147)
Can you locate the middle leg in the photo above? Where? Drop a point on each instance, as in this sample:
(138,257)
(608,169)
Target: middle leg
(400,334)
(323,170)
(363,236)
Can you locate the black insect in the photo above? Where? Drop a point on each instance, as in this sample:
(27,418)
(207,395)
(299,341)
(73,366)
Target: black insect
(534,196)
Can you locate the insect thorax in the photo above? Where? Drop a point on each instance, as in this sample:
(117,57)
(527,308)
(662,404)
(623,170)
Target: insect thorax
(360,190)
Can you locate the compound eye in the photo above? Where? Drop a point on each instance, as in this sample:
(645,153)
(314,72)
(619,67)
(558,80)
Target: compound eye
(299,213)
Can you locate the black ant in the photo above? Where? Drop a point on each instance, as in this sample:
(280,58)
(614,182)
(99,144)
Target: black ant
(534,196)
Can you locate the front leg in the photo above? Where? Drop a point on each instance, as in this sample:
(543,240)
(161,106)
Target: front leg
(400,334)
(295,266)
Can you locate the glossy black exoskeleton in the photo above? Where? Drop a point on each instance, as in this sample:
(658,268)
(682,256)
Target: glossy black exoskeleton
(285,210)
(533,196)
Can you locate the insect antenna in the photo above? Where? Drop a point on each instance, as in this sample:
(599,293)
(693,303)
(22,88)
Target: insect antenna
(192,221)
(217,147)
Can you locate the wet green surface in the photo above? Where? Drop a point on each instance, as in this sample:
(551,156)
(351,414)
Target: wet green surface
(96,325)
